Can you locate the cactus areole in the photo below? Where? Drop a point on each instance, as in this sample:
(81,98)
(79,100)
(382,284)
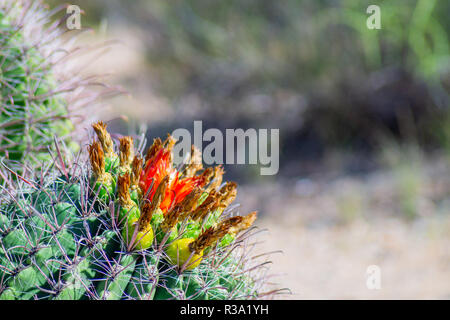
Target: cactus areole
(126,226)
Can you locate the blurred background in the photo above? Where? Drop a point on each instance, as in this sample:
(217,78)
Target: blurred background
(364,120)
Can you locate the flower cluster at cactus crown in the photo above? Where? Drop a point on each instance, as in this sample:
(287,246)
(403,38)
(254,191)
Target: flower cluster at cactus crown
(158,204)
(44,89)
(126,225)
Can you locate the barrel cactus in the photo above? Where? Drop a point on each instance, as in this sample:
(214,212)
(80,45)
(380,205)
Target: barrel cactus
(42,93)
(121,225)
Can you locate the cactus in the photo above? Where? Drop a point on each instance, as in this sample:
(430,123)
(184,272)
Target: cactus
(124,226)
(41,91)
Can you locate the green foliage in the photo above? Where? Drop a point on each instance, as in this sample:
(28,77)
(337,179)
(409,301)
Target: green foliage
(311,67)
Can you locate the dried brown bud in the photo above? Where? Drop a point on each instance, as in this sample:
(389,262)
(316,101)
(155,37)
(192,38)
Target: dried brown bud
(218,176)
(146,216)
(226,225)
(171,219)
(136,170)
(246,223)
(123,185)
(206,176)
(189,203)
(213,234)
(195,162)
(156,146)
(208,205)
(169,142)
(126,149)
(160,192)
(104,137)
(97,159)
(203,241)
(227,194)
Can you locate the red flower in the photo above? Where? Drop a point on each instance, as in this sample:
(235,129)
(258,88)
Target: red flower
(179,189)
(156,168)
(159,166)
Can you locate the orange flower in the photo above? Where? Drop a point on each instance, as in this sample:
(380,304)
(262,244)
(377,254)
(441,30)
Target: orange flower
(179,189)
(158,166)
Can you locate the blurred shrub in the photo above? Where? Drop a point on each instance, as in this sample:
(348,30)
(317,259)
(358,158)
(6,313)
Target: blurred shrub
(311,68)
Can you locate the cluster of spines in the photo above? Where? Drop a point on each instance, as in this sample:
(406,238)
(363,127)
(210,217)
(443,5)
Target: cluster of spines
(42,95)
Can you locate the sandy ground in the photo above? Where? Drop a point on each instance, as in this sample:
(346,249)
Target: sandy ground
(331,234)
(331,263)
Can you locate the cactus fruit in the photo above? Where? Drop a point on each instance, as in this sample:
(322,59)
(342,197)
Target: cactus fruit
(123,226)
(42,92)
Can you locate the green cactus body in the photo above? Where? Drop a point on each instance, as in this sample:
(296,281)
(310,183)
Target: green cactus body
(192,230)
(162,236)
(78,279)
(138,239)
(206,283)
(35,103)
(113,287)
(59,240)
(104,186)
(144,282)
(112,164)
(128,214)
(31,112)
(136,195)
